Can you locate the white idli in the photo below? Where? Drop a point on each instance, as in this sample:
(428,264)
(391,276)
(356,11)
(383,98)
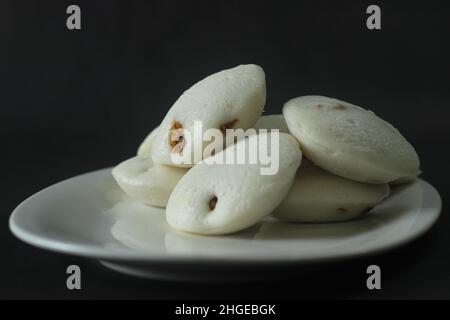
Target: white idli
(147,182)
(224,198)
(272,121)
(349,141)
(146,145)
(319,196)
(404,180)
(232,98)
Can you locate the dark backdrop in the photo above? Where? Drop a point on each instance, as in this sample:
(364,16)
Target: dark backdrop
(75,101)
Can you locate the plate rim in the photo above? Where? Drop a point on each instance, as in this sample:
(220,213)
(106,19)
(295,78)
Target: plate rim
(139,257)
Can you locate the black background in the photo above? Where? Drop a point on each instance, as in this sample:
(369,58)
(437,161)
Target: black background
(76,101)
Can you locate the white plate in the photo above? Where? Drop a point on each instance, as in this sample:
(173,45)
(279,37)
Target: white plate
(89,216)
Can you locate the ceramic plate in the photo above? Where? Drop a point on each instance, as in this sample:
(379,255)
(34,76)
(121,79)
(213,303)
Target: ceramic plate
(89,216)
